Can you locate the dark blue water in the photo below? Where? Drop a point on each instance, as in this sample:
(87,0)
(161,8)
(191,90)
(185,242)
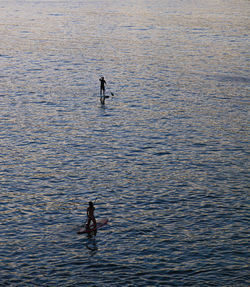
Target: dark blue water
(167,157)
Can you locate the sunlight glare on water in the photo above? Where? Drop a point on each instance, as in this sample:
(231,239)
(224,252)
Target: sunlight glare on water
(166,158)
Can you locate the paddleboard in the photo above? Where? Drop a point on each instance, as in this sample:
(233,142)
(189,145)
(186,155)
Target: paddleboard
(99,224)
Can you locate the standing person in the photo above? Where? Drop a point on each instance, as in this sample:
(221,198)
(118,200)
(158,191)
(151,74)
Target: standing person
(90,215)
(102,90)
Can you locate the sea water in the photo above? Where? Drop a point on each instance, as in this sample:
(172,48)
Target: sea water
(166,158)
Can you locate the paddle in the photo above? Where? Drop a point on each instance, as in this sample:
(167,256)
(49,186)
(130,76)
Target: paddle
(112,94)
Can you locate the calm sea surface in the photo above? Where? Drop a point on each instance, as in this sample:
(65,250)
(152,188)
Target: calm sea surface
(167,157)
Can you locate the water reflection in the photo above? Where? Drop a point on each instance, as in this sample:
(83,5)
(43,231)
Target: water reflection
(167,155)
(91,242)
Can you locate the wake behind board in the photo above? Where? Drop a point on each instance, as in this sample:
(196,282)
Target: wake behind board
(99,224)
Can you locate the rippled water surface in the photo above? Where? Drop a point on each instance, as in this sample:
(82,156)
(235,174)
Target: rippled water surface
(166,157)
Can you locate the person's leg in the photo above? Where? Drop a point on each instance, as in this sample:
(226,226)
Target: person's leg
(88,223)
(102,96)
(94,221)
